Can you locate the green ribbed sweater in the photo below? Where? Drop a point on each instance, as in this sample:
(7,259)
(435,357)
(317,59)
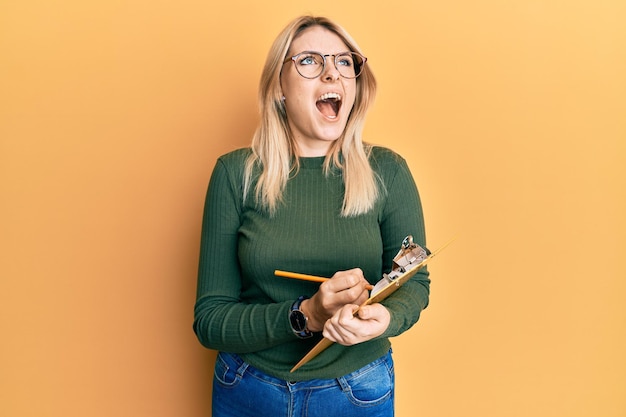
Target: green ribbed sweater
(242,307)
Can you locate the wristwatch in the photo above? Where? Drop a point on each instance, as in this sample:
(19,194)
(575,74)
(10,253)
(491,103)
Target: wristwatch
(298,320)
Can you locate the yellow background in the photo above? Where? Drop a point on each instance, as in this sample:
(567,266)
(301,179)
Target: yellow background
(512,115)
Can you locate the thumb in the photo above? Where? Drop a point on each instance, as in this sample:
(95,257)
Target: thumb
(365,313)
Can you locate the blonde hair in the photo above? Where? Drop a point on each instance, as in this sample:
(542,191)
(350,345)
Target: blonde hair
(273,156)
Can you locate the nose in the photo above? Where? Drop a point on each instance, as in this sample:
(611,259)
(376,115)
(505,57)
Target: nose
(330,70)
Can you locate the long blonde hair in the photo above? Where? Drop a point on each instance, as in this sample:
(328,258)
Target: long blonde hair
(273,149)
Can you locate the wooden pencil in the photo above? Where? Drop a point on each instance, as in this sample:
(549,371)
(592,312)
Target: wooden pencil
(306,277)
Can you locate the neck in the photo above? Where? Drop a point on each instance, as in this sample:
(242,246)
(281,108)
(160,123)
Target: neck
(310,149)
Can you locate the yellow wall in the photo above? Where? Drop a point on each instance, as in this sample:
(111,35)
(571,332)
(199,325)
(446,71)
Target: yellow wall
(512,115)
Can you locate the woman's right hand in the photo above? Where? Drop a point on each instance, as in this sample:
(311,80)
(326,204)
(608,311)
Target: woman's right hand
(345,287)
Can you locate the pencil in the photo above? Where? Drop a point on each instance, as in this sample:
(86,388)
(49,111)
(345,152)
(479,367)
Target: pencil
(306,277)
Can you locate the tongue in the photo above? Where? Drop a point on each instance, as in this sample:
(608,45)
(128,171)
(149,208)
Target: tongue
(328,108)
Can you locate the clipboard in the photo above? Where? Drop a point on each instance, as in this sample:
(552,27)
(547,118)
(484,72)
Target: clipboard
(409,260)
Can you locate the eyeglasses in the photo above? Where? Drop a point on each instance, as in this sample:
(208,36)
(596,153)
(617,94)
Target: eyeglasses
(311,64)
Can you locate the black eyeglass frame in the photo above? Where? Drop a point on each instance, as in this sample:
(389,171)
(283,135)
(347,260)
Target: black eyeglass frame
(361,65)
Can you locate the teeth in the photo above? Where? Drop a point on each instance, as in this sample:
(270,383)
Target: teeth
(329,96)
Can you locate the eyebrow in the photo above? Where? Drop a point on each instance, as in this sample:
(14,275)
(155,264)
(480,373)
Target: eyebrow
(323,54)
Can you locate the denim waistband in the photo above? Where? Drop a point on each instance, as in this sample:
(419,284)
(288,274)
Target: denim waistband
(236,362)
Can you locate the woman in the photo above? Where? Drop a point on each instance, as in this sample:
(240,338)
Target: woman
(308,196)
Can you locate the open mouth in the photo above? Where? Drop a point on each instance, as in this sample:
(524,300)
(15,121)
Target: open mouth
(329,104)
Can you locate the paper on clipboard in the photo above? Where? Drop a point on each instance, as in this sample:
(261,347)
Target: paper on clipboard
(409,260)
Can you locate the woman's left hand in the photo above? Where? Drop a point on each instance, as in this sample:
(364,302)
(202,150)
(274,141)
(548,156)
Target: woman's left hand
(347,329)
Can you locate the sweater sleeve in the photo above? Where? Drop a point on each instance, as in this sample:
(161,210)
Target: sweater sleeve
(221,320)
(400,216)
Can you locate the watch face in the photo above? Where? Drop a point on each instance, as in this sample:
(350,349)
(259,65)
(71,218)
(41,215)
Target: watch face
(298,321)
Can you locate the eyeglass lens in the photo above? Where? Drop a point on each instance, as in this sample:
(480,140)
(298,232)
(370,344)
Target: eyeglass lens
(311,64)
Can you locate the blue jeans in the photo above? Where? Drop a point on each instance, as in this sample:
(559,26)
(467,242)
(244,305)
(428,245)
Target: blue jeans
(240,390)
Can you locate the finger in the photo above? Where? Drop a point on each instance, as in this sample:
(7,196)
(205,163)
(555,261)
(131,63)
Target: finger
(362,297)
(331,332)
(339,334)
(371,312)
(364,313)
(343,280)
(346,318)
(357,272)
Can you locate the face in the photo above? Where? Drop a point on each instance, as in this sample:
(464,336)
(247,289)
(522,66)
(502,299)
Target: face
(318,108)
